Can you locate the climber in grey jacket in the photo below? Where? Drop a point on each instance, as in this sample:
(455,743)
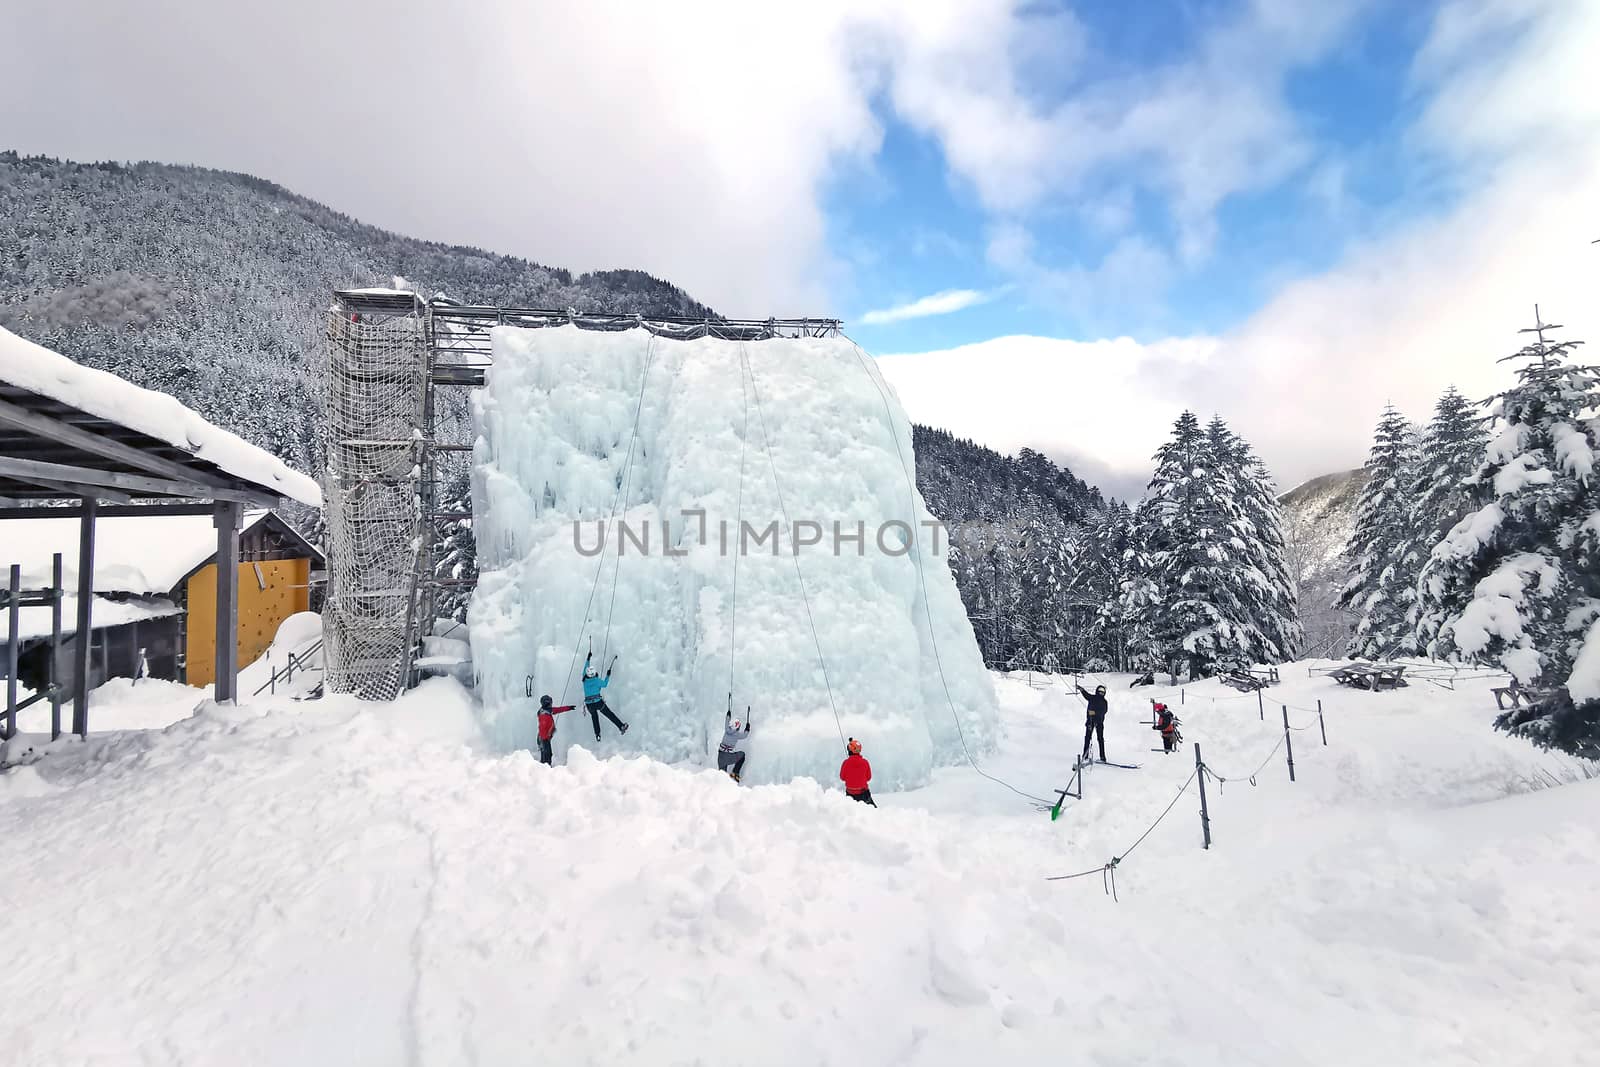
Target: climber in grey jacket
(729,756)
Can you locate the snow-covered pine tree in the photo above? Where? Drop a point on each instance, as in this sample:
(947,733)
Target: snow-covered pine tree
(1271,621)
(1380,591)
(1138,598)
(1443,489)
(1201,624)
(1517,582)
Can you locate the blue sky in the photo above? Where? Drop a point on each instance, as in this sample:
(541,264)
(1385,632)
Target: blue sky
(909,227)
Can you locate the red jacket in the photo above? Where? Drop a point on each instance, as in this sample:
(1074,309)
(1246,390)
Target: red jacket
(855,772)
(547,721)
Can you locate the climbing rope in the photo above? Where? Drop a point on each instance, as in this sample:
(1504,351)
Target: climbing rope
(922,579)
(644,376)
(738,521)
(761,419)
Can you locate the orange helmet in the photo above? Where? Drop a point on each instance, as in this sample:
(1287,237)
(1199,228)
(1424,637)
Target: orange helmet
(854,747)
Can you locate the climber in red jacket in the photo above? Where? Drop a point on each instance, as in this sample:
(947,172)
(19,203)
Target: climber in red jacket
(547,725)
(855,772)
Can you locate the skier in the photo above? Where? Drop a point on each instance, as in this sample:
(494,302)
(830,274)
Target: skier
(855,772)
(547,725)
(730,757)
(1168,724)
(593,701)
(1094,727)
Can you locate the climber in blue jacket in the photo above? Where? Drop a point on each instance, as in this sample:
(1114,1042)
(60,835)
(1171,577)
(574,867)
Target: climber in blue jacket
(593,701)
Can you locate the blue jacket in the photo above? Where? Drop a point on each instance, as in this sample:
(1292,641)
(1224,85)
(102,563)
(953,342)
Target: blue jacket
(592,687)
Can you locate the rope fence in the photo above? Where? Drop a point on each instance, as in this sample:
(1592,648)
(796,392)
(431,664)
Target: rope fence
(1202,771)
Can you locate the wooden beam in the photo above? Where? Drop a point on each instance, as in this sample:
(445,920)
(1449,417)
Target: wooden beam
(68,434)
(34,470)
(74,511)
(66,491)
(85,634)
(227,651)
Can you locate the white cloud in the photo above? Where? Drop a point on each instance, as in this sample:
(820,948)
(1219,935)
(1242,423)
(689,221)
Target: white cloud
(1099,399)
(935,304)
(695,141)
(1433,303)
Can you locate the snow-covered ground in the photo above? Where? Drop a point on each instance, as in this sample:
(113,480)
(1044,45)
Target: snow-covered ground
(327,882)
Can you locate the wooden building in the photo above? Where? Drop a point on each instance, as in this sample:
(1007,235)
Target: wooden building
(83,438)
(155,587)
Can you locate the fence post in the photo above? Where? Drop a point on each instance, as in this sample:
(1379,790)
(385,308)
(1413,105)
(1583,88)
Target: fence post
(1261,706)
(1183,697)
(1205,816)
(55,646)
(1322,725)
(13,643)
(1288,742)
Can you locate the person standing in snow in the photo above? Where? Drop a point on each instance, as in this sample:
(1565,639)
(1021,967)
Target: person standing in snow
(547,725)
(593,701)
(730,757)
(1094,727)
(855,772)
(1167,723)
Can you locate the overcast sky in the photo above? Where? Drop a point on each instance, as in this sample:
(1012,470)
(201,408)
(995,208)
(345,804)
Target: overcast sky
(1070,220)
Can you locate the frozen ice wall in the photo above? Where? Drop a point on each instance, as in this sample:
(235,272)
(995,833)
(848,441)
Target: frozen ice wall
(552,459)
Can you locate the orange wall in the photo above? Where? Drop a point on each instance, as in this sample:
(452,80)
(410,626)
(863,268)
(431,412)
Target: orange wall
(282,589)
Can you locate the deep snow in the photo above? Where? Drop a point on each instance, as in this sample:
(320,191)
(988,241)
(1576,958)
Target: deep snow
(555,432)
(333,882)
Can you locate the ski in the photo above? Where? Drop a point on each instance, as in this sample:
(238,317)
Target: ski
(1124,766)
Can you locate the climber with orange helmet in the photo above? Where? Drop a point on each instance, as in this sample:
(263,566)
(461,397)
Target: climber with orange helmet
(855,772)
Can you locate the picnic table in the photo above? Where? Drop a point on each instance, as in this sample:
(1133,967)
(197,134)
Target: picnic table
(1517,694)
(1244,681)
(1248,679)
(1371,676)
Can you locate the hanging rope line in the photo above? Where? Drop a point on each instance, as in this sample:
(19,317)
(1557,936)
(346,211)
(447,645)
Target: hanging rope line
(761,419)
(644,376)
(1221,780)
(922,579)
(738,521)
(1108,870)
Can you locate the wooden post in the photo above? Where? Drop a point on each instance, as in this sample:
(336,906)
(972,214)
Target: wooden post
(13,645)
(1205,815)
(55,646)
(1288,742)
(1322,725)
(1183,697)
(1261,706)
(85,632)
(226,520)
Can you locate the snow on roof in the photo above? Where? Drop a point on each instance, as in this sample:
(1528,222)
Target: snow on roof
(34,621)
(36,368)
(133,554)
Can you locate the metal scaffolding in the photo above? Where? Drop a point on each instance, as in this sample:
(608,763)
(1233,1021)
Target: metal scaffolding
(396,428)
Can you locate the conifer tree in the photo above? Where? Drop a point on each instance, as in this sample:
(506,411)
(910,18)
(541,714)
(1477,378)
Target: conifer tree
(1271,619)
(1380,591)
(1443,488)
(1517,582)
(1192,537)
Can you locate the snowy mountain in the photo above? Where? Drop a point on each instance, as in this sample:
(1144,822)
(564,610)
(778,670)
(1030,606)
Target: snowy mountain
(1319,516)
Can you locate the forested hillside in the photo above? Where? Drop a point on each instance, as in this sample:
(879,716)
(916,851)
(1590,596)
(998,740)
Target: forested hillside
(213,286)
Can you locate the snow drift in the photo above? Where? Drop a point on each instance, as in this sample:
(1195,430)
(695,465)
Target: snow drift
(810,438)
